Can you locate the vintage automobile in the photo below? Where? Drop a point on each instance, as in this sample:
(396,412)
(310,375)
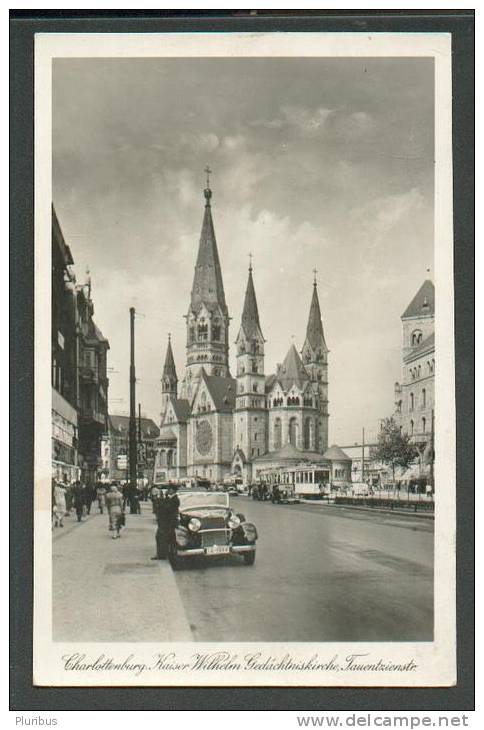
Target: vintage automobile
(284,494)
(208,526)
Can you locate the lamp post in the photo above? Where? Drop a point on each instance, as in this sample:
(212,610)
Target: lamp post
(132,418)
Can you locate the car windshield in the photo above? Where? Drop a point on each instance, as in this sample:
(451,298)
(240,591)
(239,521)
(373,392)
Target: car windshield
(202,499)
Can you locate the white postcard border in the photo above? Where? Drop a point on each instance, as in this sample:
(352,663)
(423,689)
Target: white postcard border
(435,661)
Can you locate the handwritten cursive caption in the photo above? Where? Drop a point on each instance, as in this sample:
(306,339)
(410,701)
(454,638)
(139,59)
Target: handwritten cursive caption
(223,661)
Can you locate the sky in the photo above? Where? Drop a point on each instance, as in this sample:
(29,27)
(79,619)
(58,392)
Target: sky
(316,163)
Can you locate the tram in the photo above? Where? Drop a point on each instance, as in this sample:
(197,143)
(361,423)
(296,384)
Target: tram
(308,481)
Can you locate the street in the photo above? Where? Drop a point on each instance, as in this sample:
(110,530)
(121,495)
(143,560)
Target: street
(322,573)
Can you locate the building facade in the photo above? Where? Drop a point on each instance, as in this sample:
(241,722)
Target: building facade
(79,371)
(147,440)
(64,374)
(219,424)
(414,395)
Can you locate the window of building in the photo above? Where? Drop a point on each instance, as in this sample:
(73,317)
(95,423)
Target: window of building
(424,398)
(277,433)
(416,337)
(254,366)
(255,436)
(216,330)
(202,330)
(255,386)
(411,404)
(423,425)
(411,428)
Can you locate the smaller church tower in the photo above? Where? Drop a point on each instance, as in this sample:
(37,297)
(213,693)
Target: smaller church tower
(169,381)
(315,359)
(250,410)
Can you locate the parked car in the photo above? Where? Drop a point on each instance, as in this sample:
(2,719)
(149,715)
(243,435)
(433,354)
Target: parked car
(208,526)
(285,495)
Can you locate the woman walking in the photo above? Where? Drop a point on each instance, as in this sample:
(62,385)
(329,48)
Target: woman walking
(60,504)
(114,503)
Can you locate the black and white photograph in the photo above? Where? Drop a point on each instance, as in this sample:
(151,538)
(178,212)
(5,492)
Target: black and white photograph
(244,254)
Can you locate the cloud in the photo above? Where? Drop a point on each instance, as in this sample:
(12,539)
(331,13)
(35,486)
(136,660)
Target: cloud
(306,121)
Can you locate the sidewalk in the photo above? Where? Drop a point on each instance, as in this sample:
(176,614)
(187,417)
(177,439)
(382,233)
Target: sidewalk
(364,508)
(110,590)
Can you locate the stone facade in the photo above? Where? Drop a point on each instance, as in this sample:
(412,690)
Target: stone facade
(414,396)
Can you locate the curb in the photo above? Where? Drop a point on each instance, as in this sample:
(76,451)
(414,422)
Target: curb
(407,513)
(173,611)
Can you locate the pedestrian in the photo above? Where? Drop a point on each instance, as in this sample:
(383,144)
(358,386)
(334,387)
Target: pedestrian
(101,497)
(60,504)
(78,499)
(167,518)
(156,494)
(88,497)
(114,503)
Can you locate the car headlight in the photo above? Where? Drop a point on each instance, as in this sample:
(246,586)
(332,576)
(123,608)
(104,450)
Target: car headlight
(233,522)
(250,533)
(182,537)
(194,525)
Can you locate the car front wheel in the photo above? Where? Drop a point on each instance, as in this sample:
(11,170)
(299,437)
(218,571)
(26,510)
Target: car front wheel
(249,558)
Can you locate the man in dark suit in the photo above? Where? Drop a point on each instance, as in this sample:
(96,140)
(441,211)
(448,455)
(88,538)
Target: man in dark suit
(166,511)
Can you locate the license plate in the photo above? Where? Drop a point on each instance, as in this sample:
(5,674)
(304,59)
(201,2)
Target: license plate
(218,550)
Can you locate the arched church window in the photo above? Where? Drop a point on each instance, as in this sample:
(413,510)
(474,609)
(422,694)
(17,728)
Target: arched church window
(191,334)
(416,338)
(424,398)
(411,404)
(202,330)
(293,429)
(277,433)
(307,433)
(255,387)
(216,330)
(411,428)
(424,423)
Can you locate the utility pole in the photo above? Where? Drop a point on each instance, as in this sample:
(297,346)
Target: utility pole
(132,417)
(363,456)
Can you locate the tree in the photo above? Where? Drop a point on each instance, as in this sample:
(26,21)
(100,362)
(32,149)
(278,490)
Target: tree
(393,447)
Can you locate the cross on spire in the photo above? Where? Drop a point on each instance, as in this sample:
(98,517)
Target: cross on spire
(208,172)
(315,271)
(250,261)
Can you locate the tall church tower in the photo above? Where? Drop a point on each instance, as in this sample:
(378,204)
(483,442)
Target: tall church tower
(208,317)
(250,411)
(315,359)
(169,381)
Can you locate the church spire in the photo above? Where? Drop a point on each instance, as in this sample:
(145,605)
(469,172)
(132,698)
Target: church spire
(250,312)
(208,286)
(314,330)
(169,369)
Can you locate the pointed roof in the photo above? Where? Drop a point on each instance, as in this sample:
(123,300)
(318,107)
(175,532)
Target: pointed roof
(335,453)
(208,286)
(423,302)
(169,369)
(223,391)
(314,331)
(291,455)
(292,371)
(181,406)
(250,313)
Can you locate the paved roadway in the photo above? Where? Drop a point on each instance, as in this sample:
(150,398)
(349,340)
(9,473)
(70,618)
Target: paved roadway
(322,573)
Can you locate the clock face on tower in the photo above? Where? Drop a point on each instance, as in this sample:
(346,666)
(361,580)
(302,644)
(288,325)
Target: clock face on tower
(204,437)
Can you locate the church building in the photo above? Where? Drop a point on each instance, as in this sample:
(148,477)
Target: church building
(214,424)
